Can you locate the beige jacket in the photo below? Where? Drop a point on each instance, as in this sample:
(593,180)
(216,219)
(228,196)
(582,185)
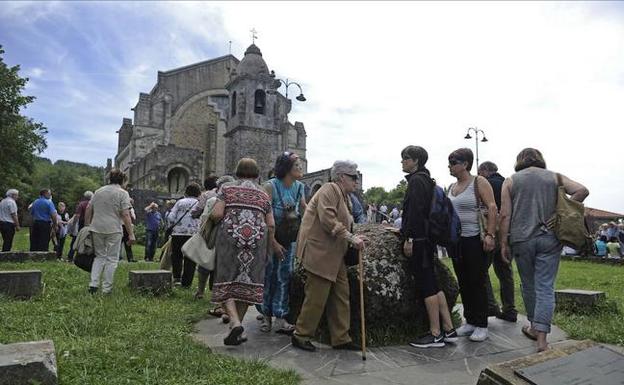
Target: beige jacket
(322,241)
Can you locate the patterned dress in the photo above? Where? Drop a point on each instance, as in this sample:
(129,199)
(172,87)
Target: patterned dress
(241,243)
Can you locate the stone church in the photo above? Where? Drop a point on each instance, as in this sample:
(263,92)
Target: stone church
(202,118)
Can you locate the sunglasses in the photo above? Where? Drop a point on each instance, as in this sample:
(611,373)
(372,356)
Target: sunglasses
(353,177)
(454,162)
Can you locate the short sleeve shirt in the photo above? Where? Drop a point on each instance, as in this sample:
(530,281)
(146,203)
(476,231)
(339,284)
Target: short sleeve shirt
(43,209)
(108,202)
(7,208)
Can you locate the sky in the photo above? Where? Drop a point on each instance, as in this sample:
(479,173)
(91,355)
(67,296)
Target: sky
(377,76)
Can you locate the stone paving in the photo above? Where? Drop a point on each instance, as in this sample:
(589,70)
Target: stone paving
(458,363)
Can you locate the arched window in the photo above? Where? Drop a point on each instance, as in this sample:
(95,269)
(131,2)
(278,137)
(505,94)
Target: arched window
(259,102)
(233,104)
(178,179)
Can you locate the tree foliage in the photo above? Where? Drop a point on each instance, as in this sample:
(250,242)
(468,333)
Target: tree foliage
(22,138)
(67,180)
(393,197)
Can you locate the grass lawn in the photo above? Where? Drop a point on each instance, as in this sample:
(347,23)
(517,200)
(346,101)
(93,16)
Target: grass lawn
(123,338)
(604,326)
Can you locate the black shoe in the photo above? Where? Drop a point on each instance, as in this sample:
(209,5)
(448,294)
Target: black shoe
(347,346)
(93,290)
(509,317)
(494,312)
(450,336)
(303,345)
(429,341)
(234,337)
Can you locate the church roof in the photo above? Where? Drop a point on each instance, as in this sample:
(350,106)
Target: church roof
(596,213)
(253,63)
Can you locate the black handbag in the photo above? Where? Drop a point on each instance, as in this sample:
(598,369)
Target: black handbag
(84,261)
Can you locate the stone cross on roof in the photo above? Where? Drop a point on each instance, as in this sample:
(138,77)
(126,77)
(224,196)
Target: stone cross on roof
(254,35)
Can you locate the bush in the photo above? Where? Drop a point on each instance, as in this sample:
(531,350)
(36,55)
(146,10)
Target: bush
(139,233)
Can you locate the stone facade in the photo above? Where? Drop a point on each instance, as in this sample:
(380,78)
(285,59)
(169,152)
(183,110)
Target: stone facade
(201,119)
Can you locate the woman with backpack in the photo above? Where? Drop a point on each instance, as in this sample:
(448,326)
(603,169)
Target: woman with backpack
(420,249)
(478,237)
(288,201)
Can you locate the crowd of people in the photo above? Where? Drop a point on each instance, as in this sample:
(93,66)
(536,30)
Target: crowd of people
(257,232)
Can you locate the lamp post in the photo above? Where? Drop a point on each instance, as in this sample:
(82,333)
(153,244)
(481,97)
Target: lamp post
(476,132)
(287,84)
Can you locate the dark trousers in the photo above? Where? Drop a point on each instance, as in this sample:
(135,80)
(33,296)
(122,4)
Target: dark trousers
(126,246)
(504,273)
(183,268)
(72,251)
(8,232)
(40,236)
(60,245)
(151,240)
(471,269)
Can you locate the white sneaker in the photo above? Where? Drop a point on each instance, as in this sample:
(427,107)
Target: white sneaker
(479,335)
(465,330)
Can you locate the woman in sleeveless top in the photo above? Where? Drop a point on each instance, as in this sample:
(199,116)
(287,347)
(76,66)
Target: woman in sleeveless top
(471,263)
(285,192)
(532,193)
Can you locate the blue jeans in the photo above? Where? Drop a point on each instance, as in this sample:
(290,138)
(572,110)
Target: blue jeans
(277,284)
(537,260)
(151,240)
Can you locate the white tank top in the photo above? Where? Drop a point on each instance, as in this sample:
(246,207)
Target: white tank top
(466,206)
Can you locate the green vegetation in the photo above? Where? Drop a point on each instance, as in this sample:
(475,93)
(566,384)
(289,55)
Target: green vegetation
(393,197)
(604,325)
(123,338)
(22,138)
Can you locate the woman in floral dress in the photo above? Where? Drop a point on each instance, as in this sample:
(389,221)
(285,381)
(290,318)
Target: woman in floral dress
(247,223)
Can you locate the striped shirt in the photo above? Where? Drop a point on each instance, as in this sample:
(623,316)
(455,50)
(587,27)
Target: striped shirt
(465,204)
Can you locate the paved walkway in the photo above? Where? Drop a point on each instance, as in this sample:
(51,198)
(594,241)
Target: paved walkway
(460,363)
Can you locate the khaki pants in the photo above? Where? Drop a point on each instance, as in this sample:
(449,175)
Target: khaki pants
(319,293)
(106,248)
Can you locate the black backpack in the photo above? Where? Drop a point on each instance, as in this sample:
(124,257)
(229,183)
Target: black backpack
(443,225)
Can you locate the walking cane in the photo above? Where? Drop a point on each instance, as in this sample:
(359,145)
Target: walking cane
(362,320)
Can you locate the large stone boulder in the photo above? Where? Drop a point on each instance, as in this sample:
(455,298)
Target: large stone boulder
(28,363)
(394,311)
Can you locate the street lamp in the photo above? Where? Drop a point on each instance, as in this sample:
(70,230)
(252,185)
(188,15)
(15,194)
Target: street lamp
(476,132)
(287,84)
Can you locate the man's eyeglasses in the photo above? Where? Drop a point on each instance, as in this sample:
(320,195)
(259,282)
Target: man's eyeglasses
(353,177)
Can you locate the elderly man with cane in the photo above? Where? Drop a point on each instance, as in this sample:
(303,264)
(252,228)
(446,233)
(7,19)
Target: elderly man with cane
(324,238)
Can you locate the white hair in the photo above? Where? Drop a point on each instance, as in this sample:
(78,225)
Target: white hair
(88,194)
(341,167)
(11,192)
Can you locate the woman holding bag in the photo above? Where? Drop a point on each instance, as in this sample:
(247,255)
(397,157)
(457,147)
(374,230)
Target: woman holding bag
(183,226)
(288,201)
(468,195)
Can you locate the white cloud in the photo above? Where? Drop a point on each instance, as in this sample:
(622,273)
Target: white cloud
(379,76)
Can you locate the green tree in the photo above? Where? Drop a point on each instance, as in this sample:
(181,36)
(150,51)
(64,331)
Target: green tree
(22,138)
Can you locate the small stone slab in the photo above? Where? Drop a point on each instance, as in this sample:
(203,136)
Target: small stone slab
(152,281)
(582,298)
(505,373)
(20,284)
(28,363)
(596,366)
(27,256)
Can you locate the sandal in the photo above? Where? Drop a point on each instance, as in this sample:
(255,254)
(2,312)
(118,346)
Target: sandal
(266,325)
(225,319)
(285,328)
(526,330)
(233,338)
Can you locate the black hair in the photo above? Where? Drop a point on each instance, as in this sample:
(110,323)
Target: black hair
(210,183)
(284,163)
(416,153)
(463,155)
(192,190)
